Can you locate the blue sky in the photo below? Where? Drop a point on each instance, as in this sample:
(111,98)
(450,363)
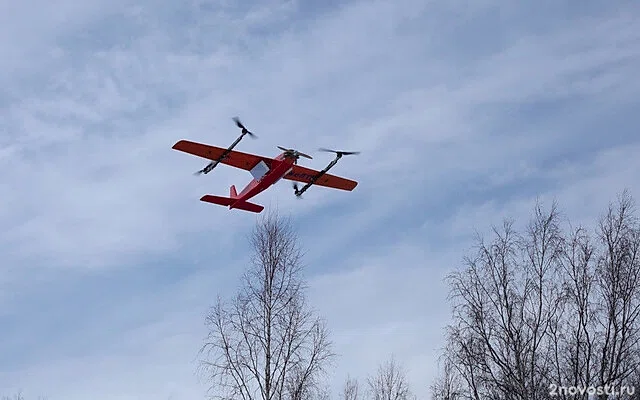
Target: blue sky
(465,112)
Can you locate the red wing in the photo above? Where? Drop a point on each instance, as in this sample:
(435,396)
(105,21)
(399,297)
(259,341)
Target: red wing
(302,174)
(234,158)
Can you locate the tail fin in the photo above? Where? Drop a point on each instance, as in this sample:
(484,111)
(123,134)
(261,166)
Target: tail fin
(232,192)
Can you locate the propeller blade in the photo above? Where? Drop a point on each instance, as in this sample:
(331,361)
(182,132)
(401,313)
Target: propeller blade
(241,126)
(238,123)
(344,153)
(295,152)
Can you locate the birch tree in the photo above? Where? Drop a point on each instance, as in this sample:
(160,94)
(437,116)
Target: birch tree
(547,307)
(267,343)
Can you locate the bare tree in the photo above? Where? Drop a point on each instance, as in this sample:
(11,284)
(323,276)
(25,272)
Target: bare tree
(635,383)
(267,343)
(507,302)
(19,396)
(321,393)
(573,336)
(618,272)
(389,383)
(448,385)
(547,309)
(351,389)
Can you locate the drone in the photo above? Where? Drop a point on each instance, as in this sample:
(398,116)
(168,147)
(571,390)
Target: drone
(266,171)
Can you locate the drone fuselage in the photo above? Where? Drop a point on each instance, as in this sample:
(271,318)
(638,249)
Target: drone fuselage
(280,166)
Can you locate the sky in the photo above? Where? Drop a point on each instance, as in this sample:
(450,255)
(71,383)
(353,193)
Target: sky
(465,114)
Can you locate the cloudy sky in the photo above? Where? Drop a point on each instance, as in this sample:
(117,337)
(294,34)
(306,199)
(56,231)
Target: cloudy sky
(465,112)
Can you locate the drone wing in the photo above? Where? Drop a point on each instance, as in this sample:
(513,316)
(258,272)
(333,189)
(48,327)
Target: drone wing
(234,158)
(305,175)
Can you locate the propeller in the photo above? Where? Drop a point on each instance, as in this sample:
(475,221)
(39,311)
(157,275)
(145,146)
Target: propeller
(244,129)
(294,152)
(340,153)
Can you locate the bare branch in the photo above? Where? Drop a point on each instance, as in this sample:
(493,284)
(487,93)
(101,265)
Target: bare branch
(266,343)
(351,390)
(546,307)
(390,382)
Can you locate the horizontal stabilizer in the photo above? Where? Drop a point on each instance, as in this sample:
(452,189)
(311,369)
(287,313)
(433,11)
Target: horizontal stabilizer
(223,201)
(226,201)
(246,206)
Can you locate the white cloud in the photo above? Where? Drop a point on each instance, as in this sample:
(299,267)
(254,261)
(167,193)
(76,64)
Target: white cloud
(458,128)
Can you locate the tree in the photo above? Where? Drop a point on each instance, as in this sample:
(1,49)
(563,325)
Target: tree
(618,278)
(447,386)
(267,343)
(351,390)
(547,307)
(389,383)
(18,396)
(508,300)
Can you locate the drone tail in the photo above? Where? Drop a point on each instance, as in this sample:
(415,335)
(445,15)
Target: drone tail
(232,203)
(246,206)
(232,192)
